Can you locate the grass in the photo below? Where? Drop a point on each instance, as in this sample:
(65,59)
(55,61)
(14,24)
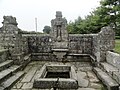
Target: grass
(117,45)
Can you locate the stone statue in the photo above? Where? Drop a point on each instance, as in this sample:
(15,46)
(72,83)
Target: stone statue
(59,32)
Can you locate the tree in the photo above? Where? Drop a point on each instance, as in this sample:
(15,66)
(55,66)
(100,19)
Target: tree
(47,29)
(110,11)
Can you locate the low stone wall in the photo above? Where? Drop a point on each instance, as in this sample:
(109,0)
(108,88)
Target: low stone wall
(80,43)
(113,59)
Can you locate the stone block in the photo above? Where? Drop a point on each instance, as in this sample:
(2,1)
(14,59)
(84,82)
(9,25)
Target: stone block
(82,80)
(113,59)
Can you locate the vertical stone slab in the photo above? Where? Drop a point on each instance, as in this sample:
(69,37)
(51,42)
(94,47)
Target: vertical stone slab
(106,41)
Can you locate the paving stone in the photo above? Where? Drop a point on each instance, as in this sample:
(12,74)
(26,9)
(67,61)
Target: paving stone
(28,77)
(27,68)
(86,89)
(96,86)
(92,77)
(27,86)
(19,85)
(82,80)
(35,76)
(84,69)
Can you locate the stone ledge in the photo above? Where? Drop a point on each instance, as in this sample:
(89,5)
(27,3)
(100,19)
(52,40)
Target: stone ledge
(109,68)
(106,79)
(49,83)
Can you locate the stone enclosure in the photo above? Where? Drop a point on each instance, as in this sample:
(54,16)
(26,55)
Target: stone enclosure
(61,47)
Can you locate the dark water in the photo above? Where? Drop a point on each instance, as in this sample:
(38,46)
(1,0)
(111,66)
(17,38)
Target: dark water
(57,75)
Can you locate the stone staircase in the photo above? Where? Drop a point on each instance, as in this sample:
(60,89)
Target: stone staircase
(109,75)
(9,74)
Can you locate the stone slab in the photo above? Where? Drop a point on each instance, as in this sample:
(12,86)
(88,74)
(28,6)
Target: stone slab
(92,77)
(107,80)
(28,77)
(27,86)
(113,59)
(109,68)
(82,80)
(10,82)
(96,86)
(86,89)
(19,85)
(5,64)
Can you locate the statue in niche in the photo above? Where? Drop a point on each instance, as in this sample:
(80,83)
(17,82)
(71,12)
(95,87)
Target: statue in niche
(59,32)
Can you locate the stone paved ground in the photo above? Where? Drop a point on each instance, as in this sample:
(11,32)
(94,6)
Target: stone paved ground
(87,80)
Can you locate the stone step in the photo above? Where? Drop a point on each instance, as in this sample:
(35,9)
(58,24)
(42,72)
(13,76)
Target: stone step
(6,85)
(5,64)
(109,68)
(106,79)
(8,72)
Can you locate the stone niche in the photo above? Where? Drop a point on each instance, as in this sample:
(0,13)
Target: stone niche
(56,76)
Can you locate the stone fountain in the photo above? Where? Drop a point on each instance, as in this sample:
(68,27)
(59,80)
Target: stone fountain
(59,36)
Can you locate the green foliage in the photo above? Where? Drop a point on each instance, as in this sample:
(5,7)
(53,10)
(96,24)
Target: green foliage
(108,13)
(47,29)
(29,32)
(117,45)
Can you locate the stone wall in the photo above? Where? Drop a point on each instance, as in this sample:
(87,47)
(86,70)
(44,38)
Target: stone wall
(80,43)
(103,42)
(11,39)
(92,44)
(41,45)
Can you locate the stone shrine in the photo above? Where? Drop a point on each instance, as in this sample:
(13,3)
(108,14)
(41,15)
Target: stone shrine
(59,36)
(57,61)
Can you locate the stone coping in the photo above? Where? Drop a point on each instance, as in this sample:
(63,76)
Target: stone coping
(75,54)
(48,83)
(69,35)
(60,50)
